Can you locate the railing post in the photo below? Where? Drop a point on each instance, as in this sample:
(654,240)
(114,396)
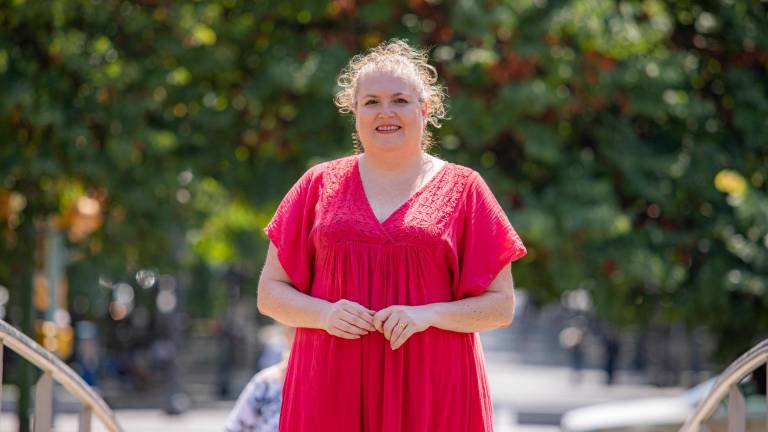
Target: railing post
(737,413)
(24,269)
(1,375)
(727,386)
(43,404)
(57,370)
(85,420)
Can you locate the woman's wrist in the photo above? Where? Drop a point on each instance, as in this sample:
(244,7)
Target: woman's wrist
(323,312)
(430,313)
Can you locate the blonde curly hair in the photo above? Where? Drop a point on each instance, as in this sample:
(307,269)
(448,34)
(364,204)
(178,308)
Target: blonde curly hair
(398,57)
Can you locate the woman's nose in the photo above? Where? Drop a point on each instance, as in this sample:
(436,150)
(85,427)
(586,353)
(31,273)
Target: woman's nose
(386,109)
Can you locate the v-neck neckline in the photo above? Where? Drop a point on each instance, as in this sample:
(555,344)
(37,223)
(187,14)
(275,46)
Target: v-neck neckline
(405,203)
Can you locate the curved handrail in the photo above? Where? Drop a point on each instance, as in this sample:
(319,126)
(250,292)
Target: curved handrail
(63,374)
(731,377)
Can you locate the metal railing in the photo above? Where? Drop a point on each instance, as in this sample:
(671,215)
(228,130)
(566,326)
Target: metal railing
(727,385)
(54,370)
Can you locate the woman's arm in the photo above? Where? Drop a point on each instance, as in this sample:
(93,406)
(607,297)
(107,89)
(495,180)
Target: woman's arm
(492,309)
(278,299)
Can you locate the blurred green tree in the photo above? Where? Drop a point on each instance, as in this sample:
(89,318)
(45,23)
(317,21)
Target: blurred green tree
(626,138)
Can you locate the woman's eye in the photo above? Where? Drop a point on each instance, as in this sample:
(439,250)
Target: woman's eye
(370,102)
(401,100)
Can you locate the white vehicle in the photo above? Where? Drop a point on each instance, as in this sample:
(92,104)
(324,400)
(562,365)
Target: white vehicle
(660,414)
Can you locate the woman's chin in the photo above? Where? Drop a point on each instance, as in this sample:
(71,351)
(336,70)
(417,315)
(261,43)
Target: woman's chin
(389,143)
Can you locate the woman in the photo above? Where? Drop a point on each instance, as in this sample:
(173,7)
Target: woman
(388,262)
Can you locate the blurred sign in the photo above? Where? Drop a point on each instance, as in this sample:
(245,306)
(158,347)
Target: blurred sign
(55,338)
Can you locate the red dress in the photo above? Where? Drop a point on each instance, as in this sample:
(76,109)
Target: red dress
(447,242)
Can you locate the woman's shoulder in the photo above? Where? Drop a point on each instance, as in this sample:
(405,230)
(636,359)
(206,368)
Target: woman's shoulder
(467,182)
(321,172)
(460,173)
(334,166)
(273,374)
(451,183)
(465,170)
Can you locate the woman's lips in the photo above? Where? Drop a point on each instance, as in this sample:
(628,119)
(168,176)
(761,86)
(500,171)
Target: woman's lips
(388,129)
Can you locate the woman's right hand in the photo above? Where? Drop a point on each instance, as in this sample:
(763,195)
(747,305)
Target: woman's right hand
(348,320)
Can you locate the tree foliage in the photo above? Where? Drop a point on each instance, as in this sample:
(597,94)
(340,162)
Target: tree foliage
(626,138)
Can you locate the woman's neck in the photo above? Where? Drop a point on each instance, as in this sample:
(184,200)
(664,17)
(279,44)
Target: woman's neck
(394,163)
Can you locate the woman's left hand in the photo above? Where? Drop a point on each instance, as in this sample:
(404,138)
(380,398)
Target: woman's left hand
(398,323)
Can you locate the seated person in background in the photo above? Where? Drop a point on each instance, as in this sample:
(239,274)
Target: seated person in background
(258,407)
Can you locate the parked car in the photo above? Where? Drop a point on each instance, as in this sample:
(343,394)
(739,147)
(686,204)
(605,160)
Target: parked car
(660,414)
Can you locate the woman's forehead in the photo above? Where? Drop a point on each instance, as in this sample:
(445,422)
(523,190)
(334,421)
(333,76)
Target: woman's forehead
(377,82)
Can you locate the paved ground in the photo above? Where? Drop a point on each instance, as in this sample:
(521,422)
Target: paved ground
(526,398)
(209,420)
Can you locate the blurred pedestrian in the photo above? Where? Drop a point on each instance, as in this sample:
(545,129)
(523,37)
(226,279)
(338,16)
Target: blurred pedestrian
(228,338)
(611,347)
(572,340)
(388,262)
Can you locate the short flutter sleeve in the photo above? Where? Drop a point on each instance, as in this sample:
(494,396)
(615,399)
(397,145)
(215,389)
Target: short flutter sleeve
(290,227)
(487,242)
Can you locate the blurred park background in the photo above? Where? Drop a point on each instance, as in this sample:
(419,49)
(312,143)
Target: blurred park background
(144,146)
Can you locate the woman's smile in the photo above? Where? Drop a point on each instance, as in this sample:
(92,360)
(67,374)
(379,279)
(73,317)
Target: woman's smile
(388,129)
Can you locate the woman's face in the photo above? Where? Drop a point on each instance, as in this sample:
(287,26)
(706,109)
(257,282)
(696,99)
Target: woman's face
(388,113)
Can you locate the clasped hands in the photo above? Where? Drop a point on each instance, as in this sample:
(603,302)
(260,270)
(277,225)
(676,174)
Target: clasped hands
(349,320)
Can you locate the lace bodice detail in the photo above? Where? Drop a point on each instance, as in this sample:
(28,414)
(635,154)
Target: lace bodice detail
(345,215)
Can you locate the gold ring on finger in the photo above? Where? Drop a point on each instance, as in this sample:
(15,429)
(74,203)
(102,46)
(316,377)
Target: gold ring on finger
(401,325)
